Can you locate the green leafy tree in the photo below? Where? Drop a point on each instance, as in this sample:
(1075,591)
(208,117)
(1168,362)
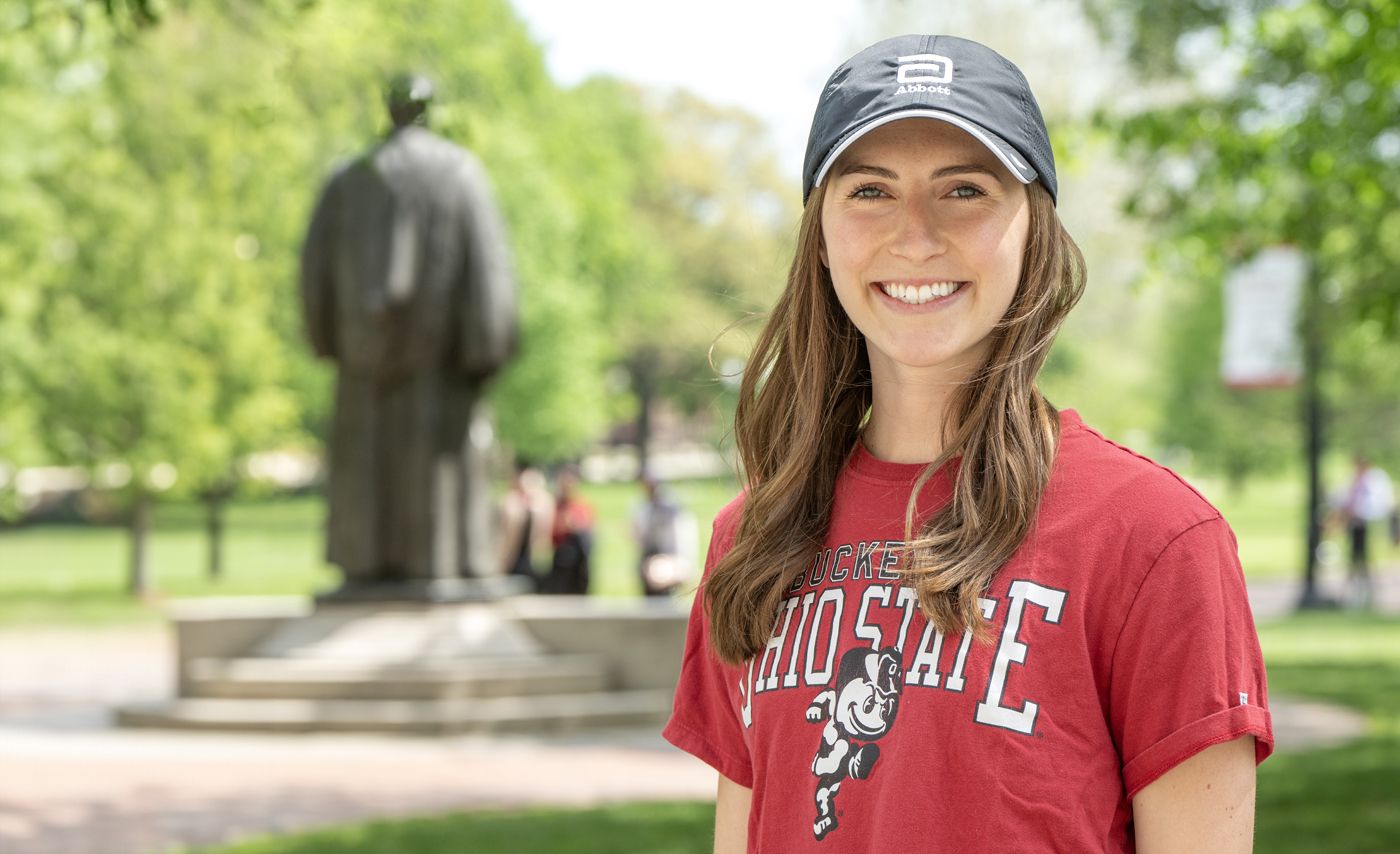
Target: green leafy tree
(1282,131)
(156,356)
(726,217)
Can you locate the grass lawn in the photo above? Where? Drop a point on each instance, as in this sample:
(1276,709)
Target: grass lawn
(1344,798)
(75,575)
(1336,800)
(663,828)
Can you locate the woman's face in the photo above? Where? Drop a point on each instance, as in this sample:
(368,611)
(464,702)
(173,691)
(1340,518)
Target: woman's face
(923,232)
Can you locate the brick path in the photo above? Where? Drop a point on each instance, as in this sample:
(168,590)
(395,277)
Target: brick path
(69,784)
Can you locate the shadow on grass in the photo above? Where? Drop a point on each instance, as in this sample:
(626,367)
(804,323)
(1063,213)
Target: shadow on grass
(657,828)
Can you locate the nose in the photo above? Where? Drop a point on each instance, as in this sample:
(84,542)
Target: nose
(918,232)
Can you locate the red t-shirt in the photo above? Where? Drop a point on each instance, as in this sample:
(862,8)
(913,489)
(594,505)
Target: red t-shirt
(1122,645)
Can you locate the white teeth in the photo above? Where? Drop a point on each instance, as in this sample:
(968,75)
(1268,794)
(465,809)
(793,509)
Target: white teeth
(918,295)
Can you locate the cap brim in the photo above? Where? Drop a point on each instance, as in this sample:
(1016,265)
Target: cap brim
(1003,150)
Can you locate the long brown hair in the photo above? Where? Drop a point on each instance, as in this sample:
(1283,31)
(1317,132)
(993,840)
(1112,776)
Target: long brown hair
(807,391)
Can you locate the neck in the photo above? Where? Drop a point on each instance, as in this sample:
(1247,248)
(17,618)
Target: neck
(909,410)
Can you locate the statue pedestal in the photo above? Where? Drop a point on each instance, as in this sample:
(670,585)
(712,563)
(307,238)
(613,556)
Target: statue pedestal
(428,591)
(528,664)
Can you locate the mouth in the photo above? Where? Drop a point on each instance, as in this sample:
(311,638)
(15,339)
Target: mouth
(919,292)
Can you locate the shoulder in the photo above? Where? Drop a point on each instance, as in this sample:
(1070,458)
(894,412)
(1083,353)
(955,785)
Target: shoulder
(345,168)
(1107,487)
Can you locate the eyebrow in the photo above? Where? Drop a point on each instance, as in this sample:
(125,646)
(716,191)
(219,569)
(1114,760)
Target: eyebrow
(955,169)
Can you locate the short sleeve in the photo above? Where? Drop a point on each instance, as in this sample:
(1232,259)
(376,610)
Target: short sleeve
(705,716)
(1187,671)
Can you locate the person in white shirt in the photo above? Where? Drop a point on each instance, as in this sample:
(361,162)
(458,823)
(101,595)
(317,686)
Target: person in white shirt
(1369,498)
(666,539)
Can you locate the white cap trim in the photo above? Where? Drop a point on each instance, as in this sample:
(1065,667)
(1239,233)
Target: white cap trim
(1010,159)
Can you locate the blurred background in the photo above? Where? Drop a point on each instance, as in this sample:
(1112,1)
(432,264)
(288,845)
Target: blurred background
(162,419)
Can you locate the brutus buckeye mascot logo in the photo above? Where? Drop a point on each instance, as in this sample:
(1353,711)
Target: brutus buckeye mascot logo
(858,708)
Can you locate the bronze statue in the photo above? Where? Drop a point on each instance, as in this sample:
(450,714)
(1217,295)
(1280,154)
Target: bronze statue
(406,284)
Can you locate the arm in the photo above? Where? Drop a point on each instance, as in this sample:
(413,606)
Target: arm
(732,817)
(1204,804)
(490,317)
(822,707)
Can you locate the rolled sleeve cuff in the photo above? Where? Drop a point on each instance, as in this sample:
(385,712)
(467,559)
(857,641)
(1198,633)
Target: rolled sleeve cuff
(1226,725)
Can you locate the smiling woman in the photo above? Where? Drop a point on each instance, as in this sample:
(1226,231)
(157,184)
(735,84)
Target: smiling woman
(940,599)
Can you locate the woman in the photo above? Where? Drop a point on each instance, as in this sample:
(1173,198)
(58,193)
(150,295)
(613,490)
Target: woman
(945,616)
(527,518)
(572,537)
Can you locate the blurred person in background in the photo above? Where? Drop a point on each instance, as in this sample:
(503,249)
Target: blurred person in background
(1369,498)
(944,614)
(527,519)
(666,539)
(572,537)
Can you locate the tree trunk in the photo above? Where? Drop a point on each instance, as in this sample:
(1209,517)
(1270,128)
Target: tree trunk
(140,524)
(644,385)
(1314,353)
(1234,480)
(214,504)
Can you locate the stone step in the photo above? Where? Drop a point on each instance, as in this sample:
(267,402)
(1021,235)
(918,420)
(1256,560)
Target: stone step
(540,714)
(440,679)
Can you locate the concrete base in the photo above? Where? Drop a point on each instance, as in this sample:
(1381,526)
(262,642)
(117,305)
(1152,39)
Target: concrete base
(525,664)
(552,714)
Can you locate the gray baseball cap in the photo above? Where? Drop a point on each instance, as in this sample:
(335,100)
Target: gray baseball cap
(937,77)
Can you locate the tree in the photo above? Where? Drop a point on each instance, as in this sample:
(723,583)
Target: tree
(157,359)
(1282,131)
(726,216)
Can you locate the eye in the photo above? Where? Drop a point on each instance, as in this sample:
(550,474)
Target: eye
(866,191)
(967,191)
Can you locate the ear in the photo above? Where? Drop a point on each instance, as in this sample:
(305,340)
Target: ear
(821,251)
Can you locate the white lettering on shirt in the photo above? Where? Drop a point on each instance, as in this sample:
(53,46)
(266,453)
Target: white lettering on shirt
(864,630)
(1010,650)
(813,675)
(790,678)
(774,650)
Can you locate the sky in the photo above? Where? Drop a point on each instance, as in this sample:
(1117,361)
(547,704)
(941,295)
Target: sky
(769,57)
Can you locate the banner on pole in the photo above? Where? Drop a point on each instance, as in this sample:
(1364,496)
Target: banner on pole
(1261,349)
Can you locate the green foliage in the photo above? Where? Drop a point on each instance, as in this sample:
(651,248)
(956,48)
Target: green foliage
(728,219)
(161,169)
(1238,433)
(153,342)
(1283,134)
(1148,31)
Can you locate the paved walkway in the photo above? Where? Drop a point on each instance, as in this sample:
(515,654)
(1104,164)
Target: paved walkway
(70,784)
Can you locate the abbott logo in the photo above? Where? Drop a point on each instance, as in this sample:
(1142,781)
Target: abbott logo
(925,68)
